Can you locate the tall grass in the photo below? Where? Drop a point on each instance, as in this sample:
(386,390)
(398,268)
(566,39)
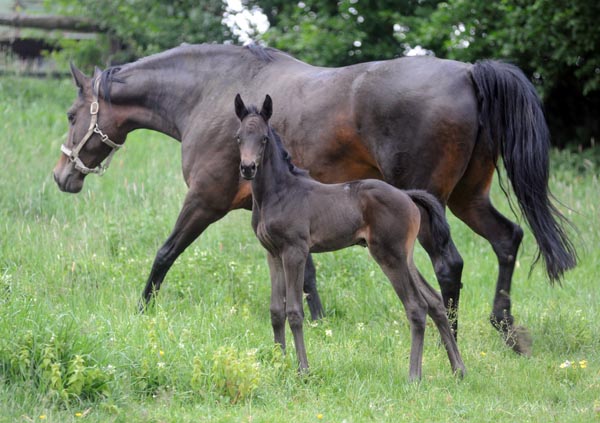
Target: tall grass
(72,267)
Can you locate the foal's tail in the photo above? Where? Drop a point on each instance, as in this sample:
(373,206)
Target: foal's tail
(511,114)
(438,225)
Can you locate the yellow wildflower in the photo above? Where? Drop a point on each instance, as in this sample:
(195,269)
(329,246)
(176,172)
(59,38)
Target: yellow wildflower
(319,416)
(583,364)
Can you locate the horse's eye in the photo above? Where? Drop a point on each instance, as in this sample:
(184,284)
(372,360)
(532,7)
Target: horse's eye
(265,140)
(238,140)
(71,118)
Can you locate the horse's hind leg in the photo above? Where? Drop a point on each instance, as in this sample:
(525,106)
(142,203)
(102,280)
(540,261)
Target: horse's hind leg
(310,289)
(437,312)
(505,238)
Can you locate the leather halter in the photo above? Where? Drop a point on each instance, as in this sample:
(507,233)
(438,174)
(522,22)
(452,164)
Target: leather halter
(73,154)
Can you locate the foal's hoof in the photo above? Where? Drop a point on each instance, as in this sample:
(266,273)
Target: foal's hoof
(519,339)
(460,372)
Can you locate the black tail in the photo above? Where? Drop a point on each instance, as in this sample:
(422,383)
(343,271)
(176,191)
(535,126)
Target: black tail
(511,113)
(440,230)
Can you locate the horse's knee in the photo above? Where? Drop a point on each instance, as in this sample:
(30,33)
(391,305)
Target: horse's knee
(277,317)
(295,318)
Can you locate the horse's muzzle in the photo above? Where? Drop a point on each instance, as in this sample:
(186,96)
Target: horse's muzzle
(68,179)
(248,170)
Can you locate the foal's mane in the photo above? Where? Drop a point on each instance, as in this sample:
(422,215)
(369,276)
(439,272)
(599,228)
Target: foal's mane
(287,157)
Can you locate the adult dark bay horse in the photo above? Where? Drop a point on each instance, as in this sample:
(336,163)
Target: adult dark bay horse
(422,122)
(292,215)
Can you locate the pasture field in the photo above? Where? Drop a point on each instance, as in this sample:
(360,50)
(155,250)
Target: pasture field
(73,347)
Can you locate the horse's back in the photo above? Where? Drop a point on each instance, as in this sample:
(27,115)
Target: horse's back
(409,121)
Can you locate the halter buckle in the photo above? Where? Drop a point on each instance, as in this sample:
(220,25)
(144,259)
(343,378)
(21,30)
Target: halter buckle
(94,108)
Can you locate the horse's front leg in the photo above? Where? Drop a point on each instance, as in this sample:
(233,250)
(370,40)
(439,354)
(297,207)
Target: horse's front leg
(197,213)
(277,299)
(294,260)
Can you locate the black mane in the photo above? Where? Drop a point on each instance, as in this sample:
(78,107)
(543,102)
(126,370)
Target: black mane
(106,79)
(263,53)
(287,157)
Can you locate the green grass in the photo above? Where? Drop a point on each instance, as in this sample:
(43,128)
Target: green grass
(72,267)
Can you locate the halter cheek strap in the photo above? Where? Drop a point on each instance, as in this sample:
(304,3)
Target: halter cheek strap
(73,154)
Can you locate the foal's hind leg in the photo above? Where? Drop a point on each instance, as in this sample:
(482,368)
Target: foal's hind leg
(294,261)
(437,312)
(395,267)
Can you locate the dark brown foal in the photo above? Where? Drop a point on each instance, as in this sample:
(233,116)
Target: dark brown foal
(293,215)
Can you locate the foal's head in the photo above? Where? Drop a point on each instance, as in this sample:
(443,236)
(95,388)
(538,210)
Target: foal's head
(253,135)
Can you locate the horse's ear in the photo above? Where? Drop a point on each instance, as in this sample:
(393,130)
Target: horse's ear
(240,108)
(78,77)
(267,108)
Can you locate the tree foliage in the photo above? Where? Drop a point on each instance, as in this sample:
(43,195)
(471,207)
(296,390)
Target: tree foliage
(554,42)
(136,28)
(340,33)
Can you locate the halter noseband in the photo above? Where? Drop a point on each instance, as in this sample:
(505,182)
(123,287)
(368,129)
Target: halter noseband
(73,155)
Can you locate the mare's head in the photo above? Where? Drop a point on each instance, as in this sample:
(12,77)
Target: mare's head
(94,134)
(253,135)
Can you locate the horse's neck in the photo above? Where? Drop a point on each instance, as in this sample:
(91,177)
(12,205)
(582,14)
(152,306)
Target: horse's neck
(164,90)
(273,176)
(162,98)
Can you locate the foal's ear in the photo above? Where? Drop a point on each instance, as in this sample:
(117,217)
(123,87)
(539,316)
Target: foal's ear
(267,108)
(97,72)
(78,77)
(240,108)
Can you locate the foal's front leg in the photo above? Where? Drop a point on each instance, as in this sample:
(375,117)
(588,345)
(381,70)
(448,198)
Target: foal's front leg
(277,299)
(294,261)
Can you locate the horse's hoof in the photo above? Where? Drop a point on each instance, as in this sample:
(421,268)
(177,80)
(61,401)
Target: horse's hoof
(519,339)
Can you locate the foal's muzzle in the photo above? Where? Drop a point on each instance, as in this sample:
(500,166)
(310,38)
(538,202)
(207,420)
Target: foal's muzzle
(248,170)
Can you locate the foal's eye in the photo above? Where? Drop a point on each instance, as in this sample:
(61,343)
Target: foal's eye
(238,140)
(265,140)
(71,118)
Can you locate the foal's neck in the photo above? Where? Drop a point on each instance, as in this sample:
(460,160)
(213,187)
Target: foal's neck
(273,177)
